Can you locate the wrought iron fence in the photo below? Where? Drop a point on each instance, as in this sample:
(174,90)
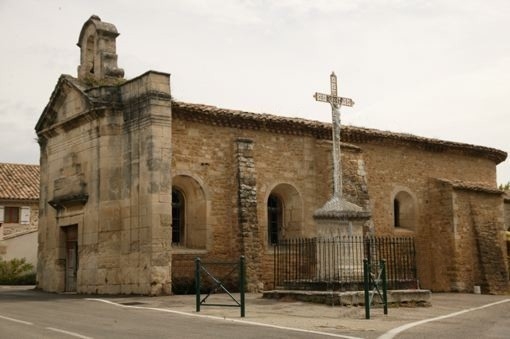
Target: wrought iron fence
(337,263)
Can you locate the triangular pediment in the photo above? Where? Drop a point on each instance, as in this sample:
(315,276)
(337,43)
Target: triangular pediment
(67,100)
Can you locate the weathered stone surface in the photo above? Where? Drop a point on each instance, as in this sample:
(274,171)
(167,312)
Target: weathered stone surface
(121,165)
(127,145)
(247,210)
(98,54)
(357,298)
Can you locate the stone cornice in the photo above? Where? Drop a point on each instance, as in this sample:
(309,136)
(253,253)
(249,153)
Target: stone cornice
(341,209)
(73,122)
(63,202)
(215,116)
(100,99)
(472,186)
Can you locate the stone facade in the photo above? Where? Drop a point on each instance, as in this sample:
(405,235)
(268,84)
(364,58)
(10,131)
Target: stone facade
(105,159)
(107,171)
(113,152)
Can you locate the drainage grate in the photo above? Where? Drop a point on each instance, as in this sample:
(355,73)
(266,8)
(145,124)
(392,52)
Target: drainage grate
(132,303)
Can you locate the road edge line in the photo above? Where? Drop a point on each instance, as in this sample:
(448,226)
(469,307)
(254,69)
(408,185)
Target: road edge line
(167,310)
(394,331)
(16,320)
(74,334)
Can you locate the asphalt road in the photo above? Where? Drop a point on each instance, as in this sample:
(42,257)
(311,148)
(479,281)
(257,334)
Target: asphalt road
(26,313)
(30,314)
(490,320)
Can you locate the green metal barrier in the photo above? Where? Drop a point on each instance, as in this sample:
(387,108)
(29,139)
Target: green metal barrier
(218,284)
(375,283)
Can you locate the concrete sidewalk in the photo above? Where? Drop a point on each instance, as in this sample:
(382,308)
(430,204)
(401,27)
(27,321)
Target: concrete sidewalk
(314,317)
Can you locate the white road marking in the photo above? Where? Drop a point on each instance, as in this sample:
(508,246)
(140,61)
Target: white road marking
(16,320)
(73,334)
(48,328)
(224,319)
(393,332)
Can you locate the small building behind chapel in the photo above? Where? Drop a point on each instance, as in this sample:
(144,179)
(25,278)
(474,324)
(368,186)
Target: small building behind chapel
(135,185)
(19,211)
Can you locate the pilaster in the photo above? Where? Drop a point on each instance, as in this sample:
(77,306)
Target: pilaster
(247,209)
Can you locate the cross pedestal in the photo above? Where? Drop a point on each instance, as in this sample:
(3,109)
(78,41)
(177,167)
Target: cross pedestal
(341,220)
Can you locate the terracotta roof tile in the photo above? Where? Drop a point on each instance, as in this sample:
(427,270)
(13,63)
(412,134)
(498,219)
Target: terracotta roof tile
(19,182)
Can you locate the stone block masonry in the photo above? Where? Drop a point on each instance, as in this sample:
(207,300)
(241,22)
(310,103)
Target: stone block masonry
(106,171)
(247,209)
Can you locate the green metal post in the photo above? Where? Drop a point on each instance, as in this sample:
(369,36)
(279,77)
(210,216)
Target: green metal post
(384,286)
(366,284)
(197,283)
(242,272)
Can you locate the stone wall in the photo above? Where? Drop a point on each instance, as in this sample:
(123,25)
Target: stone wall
(300,166)
(489,238)
(465,246)
(434,242)
(296,168)
(392,167)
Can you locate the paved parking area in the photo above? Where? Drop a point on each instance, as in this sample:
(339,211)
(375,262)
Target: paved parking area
(319,317)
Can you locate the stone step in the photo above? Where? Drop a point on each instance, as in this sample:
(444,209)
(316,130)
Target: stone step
(356,298)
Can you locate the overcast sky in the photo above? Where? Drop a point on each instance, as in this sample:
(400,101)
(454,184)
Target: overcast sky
(438,69)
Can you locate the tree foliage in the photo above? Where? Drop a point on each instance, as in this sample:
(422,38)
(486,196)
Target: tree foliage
(504,187)
(16,271)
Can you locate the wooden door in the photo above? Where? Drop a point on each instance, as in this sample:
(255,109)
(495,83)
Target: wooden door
(71,234)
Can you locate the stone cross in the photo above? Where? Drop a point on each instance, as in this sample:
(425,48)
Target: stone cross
(336,102)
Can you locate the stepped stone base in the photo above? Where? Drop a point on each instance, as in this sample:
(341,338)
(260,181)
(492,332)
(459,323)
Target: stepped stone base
(356,298)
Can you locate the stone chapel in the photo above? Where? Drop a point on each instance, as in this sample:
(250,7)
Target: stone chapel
(134,184)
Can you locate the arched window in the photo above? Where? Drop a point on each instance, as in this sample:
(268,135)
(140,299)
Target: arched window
(274,219)
(189,213)
(284,214)
(396,212)
(404,211)
(178,216)
(89,54)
